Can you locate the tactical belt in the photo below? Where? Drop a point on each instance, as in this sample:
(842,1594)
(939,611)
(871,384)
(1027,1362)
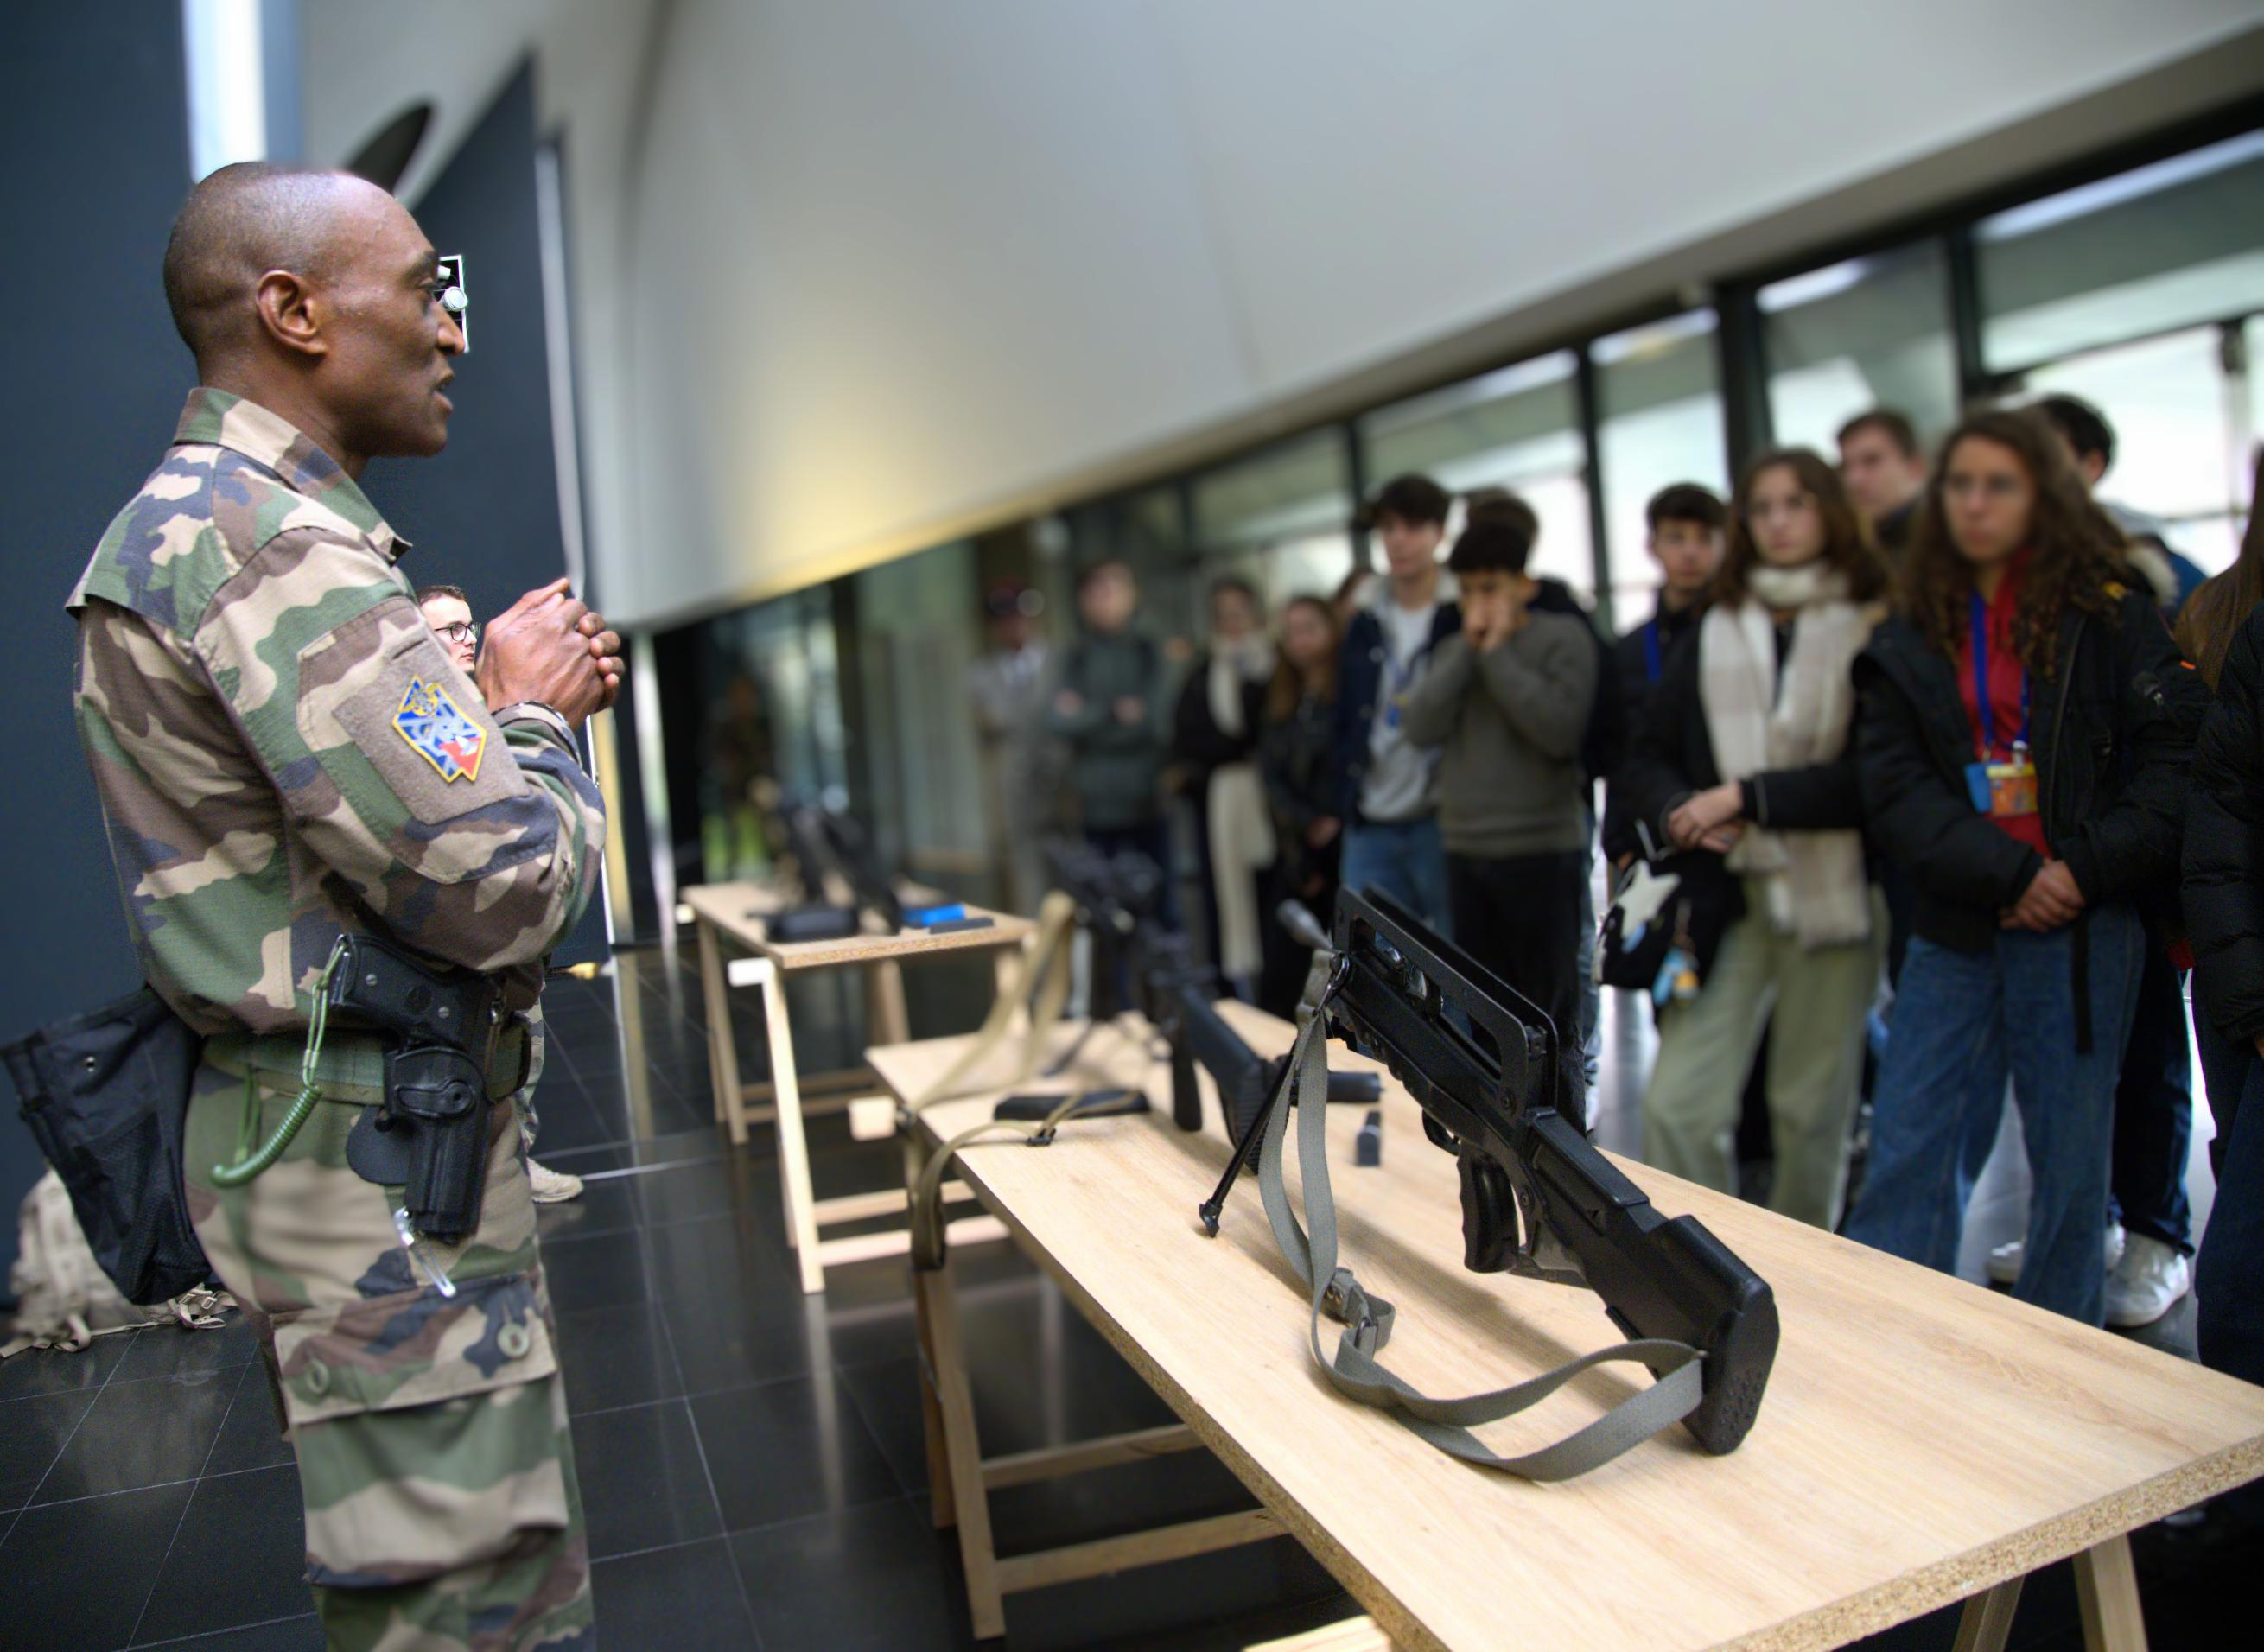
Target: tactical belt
(351,1066)
(1367,1320)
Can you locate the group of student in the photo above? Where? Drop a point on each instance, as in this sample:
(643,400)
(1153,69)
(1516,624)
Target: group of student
(1904,761)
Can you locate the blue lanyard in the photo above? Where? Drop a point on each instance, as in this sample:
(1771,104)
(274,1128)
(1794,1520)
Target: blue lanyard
(1650,650)
(1988,713)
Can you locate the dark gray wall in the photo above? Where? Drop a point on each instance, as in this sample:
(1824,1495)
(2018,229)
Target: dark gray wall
(484,514)
(94,121)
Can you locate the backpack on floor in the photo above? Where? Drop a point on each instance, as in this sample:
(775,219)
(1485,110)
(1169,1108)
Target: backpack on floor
(64,1299)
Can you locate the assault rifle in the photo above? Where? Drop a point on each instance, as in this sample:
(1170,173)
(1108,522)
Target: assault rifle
(1138,964)
(1538,1200)
(817,918)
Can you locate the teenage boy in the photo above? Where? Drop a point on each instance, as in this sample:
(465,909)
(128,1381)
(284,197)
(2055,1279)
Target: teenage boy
(2090,441)
(1506,702)
(1687,523)
(1601,741)
(1884,469)
(1388,786)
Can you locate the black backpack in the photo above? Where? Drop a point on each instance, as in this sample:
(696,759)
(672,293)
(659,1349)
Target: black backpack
(107,1095)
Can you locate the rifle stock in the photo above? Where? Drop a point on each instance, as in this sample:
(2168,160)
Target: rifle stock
(1538,1200)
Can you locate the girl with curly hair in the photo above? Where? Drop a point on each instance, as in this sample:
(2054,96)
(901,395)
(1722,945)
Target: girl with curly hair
(2023,734)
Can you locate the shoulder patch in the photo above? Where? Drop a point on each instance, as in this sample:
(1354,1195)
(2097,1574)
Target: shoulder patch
(437,731)
(2118,590)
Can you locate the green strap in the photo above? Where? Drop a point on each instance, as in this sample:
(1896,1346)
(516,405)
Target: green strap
(1367,1320)
(929,1240)
(310,1089)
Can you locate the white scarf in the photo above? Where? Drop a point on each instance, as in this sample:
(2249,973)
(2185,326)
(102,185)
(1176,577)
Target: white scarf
(1814,880)
(1241,827)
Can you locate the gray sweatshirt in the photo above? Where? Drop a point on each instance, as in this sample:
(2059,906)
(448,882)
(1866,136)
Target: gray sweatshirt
(1510,720)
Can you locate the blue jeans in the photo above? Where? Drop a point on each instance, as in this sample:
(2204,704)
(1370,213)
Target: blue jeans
(1404,859)
(2153,1111)
(1961,1021)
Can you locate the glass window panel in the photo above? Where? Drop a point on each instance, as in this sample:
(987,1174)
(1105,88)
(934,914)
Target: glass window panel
(787,646)
(1658,421)
(1143,529)
(2160,247)
(1871,332)
(918,631)
(2176,455)
(1519,428)
(1279,518)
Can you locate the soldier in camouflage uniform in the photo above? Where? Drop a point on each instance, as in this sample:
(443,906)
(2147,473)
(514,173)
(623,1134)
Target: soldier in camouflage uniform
(284,751)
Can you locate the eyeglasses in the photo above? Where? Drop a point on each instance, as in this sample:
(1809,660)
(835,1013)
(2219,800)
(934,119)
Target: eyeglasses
(462,632)
(448,293)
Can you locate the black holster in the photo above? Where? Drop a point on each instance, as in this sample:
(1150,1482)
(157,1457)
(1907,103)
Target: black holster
(430,1135)
(438,1097)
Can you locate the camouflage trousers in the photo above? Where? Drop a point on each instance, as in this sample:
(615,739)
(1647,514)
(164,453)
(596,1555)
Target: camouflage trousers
(434,1461)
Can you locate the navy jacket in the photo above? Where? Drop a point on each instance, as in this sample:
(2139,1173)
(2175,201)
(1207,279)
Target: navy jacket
(1359,683)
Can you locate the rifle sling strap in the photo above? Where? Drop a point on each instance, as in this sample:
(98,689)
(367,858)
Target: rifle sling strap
(1357,1372)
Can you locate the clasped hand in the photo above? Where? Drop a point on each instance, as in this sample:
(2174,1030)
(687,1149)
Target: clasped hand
(2051,900)
(1709,819)
(1490,618)
(549,647)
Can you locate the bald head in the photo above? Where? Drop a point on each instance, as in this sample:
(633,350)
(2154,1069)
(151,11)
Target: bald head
(316,295)
(244,221)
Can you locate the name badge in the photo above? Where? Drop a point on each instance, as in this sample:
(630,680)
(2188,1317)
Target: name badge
(2003,789)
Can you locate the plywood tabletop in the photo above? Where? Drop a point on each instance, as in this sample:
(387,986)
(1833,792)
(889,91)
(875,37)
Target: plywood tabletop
(737,909)
(1921,1439)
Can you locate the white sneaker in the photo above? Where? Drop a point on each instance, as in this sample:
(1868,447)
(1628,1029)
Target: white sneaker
(2146,1284)
(2005,1260)
(552,1187)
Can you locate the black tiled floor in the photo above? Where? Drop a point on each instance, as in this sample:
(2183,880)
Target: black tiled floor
(240,1556)
(143,1434)
(790,1449)
(874,1576)
(33,1434)
(603,1270)
(616,1357)
(170,1351)
(252,1437)
(751,1459)
(302,1634)
(78,1573)
(685,1599)
(644,1479)
(45,1372)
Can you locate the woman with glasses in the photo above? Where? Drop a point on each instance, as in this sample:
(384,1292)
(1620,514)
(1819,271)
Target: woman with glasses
(2025,729)
(1744,752)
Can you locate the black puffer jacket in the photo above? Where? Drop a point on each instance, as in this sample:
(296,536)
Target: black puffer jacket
(1672,756)
(2113,726)
(2225,844)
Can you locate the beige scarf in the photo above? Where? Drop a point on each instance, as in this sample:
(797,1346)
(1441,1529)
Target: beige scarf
(1241,827)
(1814,880)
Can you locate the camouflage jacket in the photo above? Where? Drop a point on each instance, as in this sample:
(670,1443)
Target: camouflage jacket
(283,749)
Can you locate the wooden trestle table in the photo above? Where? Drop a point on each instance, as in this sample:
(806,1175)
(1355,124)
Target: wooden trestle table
(1923,1441)
(735,949)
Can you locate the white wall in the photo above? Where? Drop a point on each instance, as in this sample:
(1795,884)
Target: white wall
(858,274)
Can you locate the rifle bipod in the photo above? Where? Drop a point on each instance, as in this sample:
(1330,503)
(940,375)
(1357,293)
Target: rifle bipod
(1245,1151)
